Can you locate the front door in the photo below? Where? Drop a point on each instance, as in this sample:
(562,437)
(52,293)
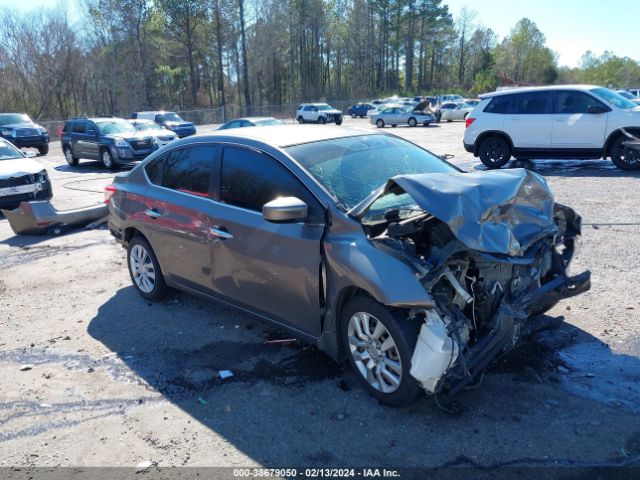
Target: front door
(270,268)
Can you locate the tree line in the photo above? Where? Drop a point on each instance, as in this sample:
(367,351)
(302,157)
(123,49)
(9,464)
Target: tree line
(119,56)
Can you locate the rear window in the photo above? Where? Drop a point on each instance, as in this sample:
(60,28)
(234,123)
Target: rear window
(190,172)
(498,105)
(79,127)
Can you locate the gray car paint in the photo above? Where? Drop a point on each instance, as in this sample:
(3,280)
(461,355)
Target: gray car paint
(350,260)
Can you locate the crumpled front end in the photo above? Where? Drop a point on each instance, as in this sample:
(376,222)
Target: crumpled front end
(485,301)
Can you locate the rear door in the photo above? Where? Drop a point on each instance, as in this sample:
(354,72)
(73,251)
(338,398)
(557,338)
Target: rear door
(573,126)
(78,141)
(92,141)
(270,268)
(529,124)
(175,216)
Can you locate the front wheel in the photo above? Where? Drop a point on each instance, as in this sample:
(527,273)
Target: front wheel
(623,157)
(68,155)
(144,270)
(300,120)
(322,120)
(380,123)
(43,150)
(494,152)
(379,343)
(107,159)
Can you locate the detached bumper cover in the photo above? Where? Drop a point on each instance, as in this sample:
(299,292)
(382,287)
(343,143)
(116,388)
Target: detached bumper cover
(35,218)
(513,321)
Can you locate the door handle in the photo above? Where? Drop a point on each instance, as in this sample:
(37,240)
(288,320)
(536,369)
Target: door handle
(153,213)
(219,233)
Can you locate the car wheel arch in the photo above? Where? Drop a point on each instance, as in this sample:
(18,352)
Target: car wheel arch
(613,136)
(492,133)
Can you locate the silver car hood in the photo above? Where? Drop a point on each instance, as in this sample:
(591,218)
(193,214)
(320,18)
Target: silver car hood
(501,212)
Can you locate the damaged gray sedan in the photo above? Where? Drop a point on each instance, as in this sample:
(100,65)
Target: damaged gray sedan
(364,244)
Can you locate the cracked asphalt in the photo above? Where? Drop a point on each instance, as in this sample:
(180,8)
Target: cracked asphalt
(93,375)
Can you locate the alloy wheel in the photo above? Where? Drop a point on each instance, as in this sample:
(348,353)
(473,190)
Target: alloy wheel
(142,269)
(374,352)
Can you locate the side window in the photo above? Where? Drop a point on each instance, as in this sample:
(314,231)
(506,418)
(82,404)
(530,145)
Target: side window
(532,103)
(155,166)
(308,108)
(499,105)
(190,172)
(574,102)
(250,179)
(67,127)
(91,128)
(79,127)
(158,119)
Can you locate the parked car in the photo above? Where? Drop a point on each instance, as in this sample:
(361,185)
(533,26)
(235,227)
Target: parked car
(109,139)
(378,108)
(629,96)
(363,244)
(21,178)
(251,122)
(318,113)
(455,111)
(634,91)
(403,115)
(449,98)
(564,121)
(472,101)
(23,132)
(169,120)
(161,135)
(359,110)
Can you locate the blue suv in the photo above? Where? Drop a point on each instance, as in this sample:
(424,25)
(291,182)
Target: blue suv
(23,132)
(108,139)
(360,109)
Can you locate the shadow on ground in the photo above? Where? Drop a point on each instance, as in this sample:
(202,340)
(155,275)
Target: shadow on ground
(289,404)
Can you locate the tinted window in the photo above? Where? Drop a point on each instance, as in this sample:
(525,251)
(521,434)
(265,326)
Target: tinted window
(67,127)
(154,167)
(250,179)
(498,105)
(531,103)
(574,102)
(191,171)
(79,127)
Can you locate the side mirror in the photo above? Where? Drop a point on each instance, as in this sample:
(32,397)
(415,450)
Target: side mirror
(596,109)
(285,210)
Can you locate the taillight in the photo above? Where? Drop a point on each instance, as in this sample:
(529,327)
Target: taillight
(468,122)
(109,191)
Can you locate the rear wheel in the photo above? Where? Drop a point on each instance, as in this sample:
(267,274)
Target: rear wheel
(623,157)
(353,115)
(43,150)
(339,121)
(144,270)
(107,159)
(412,122)
(68,155)
(380,123)
(494,152)
(379,343)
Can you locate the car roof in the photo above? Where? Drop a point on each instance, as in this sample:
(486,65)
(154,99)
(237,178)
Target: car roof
(516,90)
(287,135)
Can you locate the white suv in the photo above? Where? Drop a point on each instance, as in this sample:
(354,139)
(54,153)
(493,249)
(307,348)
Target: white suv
(564,121)
(318,113)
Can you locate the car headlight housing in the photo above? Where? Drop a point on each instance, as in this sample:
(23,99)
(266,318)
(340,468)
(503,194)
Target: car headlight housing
(121,142)
(6,131)
(42,176)
(42,130)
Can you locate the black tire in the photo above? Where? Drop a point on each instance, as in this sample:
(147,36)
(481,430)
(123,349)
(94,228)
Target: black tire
(300,119)
(339,121)
(412,122)
(43,150)
(107,159)
(362,116)
(623,157)
(69,157)
(449,121)
(322,120)
(494,152)
(404,333)
(160,288)
(394,126)
(353,115)
(380,123)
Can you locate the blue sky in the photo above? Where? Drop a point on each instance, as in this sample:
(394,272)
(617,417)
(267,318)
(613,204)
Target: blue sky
(571,26)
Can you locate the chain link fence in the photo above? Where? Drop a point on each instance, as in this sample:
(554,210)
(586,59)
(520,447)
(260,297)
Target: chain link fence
(213,116)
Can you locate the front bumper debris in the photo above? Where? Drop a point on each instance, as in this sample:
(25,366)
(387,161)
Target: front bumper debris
(37,218)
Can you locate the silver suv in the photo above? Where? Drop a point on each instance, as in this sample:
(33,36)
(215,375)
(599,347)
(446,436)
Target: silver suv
(318,113)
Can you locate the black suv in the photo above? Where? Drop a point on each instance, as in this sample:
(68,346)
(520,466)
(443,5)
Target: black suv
(23,132)
(109,139)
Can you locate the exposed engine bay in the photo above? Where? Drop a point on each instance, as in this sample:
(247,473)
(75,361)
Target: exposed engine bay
(484,302)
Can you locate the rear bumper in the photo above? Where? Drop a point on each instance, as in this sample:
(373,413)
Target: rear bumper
(469,147)
(513,321)
(35,218)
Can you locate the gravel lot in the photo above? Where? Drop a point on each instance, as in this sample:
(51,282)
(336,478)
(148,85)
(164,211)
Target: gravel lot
(116,381)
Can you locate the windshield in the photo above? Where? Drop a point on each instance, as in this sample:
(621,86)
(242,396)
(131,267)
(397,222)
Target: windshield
(115,126)
(170,117)
(351,168)
(11,118)
(612,97)
(141,126)
(627,95)
(269,121)
(7,152)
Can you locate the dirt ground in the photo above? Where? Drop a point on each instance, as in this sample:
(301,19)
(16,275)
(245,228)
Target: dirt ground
(93,375)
